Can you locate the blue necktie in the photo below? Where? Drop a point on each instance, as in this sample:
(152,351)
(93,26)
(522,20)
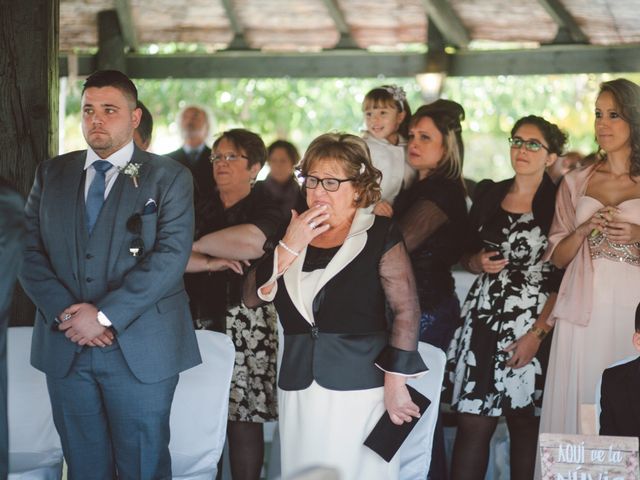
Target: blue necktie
(95,196)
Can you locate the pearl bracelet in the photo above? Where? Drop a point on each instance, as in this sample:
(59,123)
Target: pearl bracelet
(288,249)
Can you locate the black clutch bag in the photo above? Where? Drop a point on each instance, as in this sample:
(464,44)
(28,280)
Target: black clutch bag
(386,438)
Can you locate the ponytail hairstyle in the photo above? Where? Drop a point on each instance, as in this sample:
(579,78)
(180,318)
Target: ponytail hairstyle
(447,116)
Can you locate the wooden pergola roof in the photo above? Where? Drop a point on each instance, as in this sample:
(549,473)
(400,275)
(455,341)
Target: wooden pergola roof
(315,38)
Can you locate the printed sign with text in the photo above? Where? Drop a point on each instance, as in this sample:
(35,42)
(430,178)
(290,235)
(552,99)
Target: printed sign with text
(588,457)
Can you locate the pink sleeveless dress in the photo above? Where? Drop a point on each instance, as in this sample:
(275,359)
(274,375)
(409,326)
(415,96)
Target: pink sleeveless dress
(579,354)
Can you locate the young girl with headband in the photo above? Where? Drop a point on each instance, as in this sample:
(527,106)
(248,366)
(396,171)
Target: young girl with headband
(387,115)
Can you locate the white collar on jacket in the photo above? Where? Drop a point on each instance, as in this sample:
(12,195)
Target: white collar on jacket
(352,246)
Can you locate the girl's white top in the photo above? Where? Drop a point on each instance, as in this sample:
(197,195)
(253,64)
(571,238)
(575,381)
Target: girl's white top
(391,161)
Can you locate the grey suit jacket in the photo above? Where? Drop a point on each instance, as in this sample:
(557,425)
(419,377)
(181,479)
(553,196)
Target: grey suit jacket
(143,296)
(11,233)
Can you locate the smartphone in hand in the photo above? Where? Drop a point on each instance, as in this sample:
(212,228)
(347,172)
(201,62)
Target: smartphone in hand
(490,246)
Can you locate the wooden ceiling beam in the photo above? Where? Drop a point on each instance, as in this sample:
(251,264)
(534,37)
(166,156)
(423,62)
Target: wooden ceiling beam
(437,57)
(346,39)
(239,41)
(565,21)
(546,60)
(127,26)
(111,43)
(447,21)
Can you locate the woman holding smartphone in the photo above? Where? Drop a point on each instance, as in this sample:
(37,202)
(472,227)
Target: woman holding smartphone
(498,357)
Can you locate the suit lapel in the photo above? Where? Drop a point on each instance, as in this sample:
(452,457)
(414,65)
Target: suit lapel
(352,246)
(71,186)
(128,200)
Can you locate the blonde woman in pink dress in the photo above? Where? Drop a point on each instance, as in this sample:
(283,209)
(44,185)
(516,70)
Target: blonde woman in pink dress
(595,235)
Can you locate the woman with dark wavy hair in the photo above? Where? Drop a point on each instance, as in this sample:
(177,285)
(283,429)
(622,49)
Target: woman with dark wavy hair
(344,290)
(596,236)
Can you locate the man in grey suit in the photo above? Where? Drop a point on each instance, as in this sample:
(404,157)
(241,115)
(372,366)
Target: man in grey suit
(11,235)
(109,233)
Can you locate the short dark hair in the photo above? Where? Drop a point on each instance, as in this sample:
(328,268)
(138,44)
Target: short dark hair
(248,141)
(115,79)
(555,138)
(145,129)
(290,148)
(638,318)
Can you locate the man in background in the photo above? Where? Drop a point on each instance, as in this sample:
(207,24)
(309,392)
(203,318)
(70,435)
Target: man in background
(564,165)
(194,153)
(142,134)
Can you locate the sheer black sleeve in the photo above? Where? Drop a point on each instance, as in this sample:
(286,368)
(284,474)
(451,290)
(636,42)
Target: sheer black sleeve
(259,275)
(401,355)
(422,219)
(267,216)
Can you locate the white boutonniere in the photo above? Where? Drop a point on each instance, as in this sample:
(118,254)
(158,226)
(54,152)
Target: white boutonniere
(132,170)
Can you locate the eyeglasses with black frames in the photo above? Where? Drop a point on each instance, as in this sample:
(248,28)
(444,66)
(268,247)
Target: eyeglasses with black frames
(329,184)
(531,145)
(227,157)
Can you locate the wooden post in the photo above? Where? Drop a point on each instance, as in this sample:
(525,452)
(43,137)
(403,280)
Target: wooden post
(29,101)
(110,42)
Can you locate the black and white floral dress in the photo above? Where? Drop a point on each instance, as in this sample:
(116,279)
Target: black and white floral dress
(499,309)
(216,305)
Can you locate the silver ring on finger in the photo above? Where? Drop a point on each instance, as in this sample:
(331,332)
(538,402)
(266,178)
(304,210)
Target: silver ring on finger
(312,224)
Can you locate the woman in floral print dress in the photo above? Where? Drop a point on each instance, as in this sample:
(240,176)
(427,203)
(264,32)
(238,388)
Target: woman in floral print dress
(497,359)
(235,225)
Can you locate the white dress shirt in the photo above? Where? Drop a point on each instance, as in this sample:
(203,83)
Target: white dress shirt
(119,160)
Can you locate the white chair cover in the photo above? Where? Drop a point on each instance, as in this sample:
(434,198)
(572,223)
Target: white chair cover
(34,446)
(415,453)
(200,408)
(317,473)
(464,280)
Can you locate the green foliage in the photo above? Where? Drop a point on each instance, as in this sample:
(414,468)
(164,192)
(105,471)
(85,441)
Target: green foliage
(301,109)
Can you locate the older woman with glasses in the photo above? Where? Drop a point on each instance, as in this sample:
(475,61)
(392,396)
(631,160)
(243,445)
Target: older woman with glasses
(497,360)
(235,225)
(344,289)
